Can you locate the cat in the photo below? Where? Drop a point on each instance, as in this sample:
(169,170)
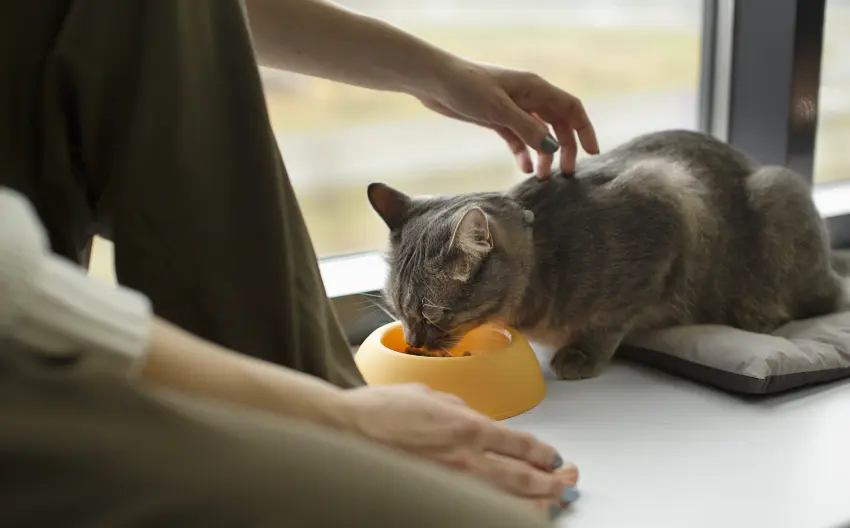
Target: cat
(671,228)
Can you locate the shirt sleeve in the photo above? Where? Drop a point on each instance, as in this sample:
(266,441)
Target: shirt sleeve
(52,306)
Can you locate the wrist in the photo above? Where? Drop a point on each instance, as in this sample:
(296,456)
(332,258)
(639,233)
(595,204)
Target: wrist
(402,62)
(436,70)
(335,410)
(348,410)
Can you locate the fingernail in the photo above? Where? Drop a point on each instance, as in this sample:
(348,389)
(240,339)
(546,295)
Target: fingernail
(549,145)
(557,462)
(570,495)
(555,511)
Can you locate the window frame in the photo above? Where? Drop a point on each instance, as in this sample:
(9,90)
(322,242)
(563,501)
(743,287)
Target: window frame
(743,58)
(750,58)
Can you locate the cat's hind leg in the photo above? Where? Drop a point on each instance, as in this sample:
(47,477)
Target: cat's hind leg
(588,354)
(794,260)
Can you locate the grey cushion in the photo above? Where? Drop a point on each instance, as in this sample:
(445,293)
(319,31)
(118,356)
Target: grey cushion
(798,354)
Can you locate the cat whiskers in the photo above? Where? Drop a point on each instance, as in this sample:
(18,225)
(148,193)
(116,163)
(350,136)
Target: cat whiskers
(438,327)
(453,343)
(426,302)
(376,301)
(377,296)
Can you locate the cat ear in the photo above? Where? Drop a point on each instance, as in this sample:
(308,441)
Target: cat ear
(472,232)
(472,237)
(389,203)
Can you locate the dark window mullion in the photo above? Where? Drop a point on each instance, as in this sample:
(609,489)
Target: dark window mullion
(775,78)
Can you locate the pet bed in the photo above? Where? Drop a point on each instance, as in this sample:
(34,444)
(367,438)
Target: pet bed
(798,354)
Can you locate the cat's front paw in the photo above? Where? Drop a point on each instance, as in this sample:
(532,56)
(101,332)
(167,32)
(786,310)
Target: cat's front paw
(573,364)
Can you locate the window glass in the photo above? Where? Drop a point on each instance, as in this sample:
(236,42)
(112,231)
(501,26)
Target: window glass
(634,63)
(832,155)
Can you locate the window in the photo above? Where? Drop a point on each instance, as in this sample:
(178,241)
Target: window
(634,63)
(638,65)
(832,158)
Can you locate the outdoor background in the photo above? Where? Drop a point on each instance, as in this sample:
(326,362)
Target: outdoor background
(832,158)
(634,63)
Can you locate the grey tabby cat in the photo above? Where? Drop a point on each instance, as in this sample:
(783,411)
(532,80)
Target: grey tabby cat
(671,228)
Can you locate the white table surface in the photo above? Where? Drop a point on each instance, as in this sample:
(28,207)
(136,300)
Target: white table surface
(657,451)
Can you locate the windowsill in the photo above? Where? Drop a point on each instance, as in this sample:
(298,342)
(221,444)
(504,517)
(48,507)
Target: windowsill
(833,199)
(354,283)
(353,274)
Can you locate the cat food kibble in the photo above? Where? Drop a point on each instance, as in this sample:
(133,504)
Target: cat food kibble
(413,351)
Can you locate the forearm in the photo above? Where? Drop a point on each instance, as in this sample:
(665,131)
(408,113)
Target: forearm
(50,305)
(322,39)
(183,362)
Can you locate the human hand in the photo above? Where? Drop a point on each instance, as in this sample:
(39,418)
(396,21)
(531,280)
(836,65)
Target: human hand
(440,427)
(520,106)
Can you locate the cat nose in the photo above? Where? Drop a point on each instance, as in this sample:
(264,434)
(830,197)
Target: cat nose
(414,339)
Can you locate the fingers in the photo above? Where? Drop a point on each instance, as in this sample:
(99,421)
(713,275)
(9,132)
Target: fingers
(514,476)
(568,120)
(544,161)
(567,112)
(580,122)
(518,149)
(527,127)
(554,507)
(544,166)
(472,430)
(567,117)
(518,478)
(569,150)
(478,433)
(521,446)
(568,475)
(521,129)
(532,129)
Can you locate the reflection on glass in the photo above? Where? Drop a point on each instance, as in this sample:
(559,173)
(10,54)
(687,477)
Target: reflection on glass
(634,63)
(832,157)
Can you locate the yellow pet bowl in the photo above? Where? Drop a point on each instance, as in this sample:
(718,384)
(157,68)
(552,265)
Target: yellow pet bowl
(501,378)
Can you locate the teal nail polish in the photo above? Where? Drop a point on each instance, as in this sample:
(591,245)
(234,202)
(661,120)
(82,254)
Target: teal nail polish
(557,462)
(555,511)
(570,495)
(549,145)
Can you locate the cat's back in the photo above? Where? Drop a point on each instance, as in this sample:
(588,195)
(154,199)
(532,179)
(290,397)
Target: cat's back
(697,152)
(690,173)
(735,242)
(664,194)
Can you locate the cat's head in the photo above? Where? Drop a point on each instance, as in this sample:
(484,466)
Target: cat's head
(455,262)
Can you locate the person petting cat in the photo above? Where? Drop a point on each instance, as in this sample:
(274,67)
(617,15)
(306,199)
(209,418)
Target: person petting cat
(214,386)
